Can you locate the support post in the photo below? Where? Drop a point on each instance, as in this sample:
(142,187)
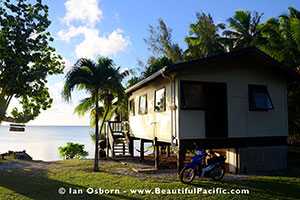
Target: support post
(131,147)
(123,148)
(106,140)
(168,151)
(156,153)
(142,149)
(237,161)
(113,150)
(180,157)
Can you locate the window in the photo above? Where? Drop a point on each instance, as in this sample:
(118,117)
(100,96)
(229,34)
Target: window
(192,95)
(132,107)
(160,100)
(259,98)
(143,104)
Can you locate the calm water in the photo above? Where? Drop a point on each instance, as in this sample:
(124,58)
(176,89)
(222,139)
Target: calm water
(42,142)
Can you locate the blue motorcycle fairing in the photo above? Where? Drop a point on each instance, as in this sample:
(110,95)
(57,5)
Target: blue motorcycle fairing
(191,165)
(196,160)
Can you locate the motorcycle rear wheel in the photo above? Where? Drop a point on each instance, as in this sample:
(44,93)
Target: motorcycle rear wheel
(187,175)
(217,173)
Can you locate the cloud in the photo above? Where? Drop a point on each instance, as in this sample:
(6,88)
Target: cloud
(86,11)
(94,43)
(68,65)
(67,35)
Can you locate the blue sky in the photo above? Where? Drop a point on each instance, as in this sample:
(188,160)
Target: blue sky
(117,28)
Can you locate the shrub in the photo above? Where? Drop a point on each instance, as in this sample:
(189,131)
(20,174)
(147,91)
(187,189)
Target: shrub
(72,150)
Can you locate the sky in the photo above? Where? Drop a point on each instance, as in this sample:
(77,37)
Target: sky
(117,29)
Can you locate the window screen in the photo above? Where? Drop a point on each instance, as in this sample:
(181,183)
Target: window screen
(131,107)
(143,104)
(259,98)
(192,95)
(160,100)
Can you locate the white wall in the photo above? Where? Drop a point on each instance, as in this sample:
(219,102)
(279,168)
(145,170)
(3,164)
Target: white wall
(153,124)
(241,121)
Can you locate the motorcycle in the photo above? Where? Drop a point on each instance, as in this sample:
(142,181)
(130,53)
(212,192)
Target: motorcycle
(214,168)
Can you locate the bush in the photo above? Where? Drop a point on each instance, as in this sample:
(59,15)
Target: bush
(72,150)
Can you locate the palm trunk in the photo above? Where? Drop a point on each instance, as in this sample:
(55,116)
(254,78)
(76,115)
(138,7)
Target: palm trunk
(104,119)
(96,159)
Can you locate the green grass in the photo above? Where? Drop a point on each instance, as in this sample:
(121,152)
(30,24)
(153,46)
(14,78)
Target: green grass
(43,184)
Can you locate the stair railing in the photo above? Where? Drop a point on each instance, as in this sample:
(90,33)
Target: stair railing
(120,127)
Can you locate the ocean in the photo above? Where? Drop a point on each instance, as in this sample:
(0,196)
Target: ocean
(42,142)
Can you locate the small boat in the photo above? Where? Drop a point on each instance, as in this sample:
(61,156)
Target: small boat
(17,127)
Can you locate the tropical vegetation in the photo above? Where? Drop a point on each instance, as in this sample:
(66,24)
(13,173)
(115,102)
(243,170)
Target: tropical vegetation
(204,38)
(102,81)
(72,150)
(26,59)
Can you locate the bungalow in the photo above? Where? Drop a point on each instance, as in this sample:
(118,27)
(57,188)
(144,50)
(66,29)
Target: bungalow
(234,101)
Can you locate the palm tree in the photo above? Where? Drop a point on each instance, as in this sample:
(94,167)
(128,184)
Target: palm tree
(103,82)
(282,38)
(204,38)
(244,29)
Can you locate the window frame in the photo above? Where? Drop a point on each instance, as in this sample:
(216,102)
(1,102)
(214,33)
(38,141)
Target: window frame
(251,101)
(132,112)
(146,106)
(165,98)
(182,107)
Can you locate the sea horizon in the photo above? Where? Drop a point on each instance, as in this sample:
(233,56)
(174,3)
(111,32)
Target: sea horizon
(41,142)
(51,125)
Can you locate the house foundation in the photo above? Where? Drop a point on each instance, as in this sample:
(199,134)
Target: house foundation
(242,156)
(254,160)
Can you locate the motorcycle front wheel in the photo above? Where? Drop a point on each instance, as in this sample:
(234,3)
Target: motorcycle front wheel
(217,173)
(187,175)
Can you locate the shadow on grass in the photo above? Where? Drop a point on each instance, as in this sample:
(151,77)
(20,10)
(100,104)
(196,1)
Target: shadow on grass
(279,187)
(35,184)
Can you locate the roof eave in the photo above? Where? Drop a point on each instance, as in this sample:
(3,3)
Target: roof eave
(146,80)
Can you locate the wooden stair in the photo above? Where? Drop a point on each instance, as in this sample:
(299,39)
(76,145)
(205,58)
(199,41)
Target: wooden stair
(118,139)
(121,148)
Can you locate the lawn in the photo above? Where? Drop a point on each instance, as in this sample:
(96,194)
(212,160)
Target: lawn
(43,183)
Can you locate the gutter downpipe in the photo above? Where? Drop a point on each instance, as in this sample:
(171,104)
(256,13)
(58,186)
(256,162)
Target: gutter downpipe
(173,107)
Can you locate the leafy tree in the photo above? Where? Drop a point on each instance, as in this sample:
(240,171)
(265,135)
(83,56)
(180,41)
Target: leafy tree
(156,64)
(282,38)
(72,150)
(160,42)
(26,59)
(282,41)
(204,38)
(102,81)
(244,29)
(132,81)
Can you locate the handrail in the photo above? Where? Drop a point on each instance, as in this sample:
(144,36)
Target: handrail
(113,127)
(111,139)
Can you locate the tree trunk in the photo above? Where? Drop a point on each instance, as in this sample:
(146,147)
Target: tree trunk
(4,103)
(96,159)
(104,119)
(97,132)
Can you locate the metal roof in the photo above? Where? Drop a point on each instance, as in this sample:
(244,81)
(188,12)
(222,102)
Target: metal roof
(229,56)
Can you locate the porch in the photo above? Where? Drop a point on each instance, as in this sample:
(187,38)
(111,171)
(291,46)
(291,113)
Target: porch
(120,143)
